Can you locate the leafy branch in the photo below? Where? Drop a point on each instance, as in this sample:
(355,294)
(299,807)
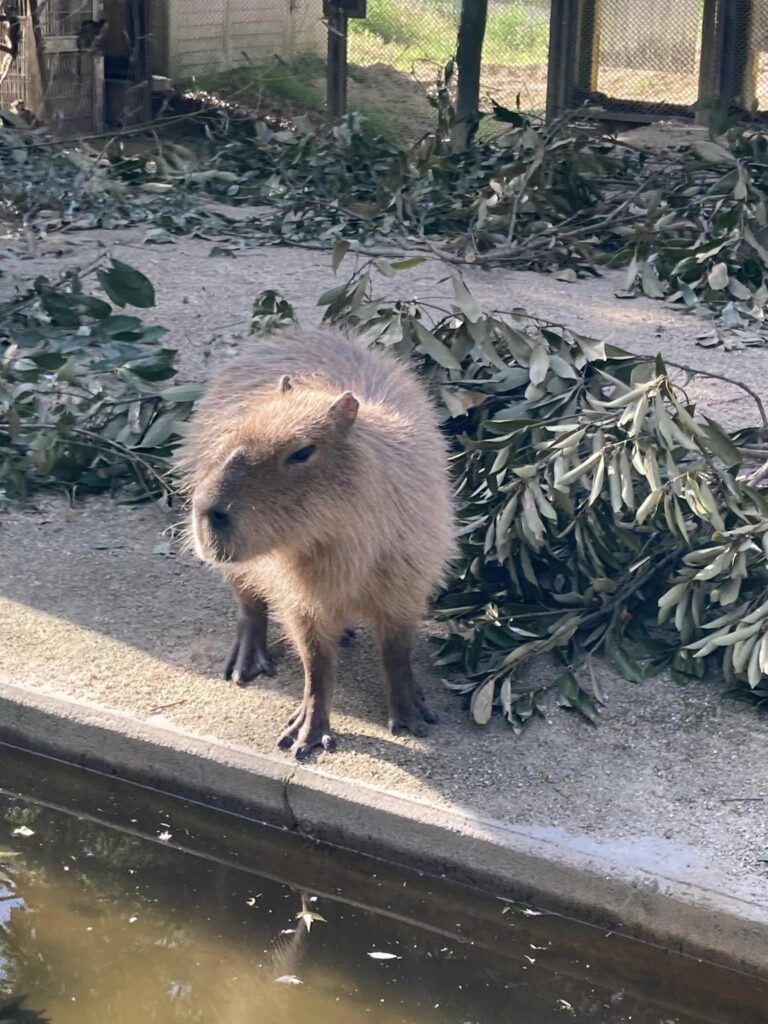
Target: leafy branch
(84,398)
(690,228)
(600,514)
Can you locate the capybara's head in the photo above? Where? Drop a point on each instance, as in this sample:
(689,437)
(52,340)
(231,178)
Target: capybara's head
(279,476)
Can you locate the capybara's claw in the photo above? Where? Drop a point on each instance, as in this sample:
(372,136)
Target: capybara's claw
(306,732)
(398,726)
(411,716)
(302,750)
(246,662)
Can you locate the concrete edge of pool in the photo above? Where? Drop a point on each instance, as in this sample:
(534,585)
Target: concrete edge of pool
(554,875)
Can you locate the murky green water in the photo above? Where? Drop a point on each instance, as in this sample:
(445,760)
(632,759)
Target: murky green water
(102,927)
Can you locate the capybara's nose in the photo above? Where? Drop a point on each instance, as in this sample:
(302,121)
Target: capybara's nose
(218,520)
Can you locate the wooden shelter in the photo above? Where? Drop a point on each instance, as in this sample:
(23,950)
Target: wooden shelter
(76,88)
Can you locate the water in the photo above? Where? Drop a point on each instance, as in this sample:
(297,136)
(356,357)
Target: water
(103,925)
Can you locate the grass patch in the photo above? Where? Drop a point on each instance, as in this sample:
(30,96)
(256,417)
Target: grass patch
(299,85)
(398,33)
(517,35)
(293,82)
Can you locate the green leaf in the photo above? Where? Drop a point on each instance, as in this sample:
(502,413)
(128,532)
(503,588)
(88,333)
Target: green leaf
(713,153)
(332,295)
(539,364)
(650,282)
(721,444)
(127,286)
(407,264)
(340,250)
(481,703)
(157,365)
(162,429)
(433,347)
(182,393)
(624,663)
(466,302)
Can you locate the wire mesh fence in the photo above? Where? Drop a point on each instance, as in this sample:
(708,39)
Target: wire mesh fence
(758,55)
(649,50)
(416,38)
(651,55)
(14,59)
(47,75)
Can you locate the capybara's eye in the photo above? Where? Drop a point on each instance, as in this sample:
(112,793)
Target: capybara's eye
(303,454)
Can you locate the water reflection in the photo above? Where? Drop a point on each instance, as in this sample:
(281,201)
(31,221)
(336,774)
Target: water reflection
(17,1012)
(97,925)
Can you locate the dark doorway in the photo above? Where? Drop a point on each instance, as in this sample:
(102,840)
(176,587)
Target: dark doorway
(126,79)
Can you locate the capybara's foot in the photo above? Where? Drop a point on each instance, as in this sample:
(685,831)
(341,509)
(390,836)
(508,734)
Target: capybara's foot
(410,713)
(248,659)
(306,730)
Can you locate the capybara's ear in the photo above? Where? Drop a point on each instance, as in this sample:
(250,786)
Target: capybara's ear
(284,384)
(344,409)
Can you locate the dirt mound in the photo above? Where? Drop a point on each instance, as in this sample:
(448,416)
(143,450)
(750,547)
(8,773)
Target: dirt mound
(399,98)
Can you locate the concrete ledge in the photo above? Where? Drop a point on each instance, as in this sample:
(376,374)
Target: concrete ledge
(557,876)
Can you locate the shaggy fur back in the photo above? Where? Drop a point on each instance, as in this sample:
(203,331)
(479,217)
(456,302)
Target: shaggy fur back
(373,549)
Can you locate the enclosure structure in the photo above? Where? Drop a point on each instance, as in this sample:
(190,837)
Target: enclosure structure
(190,37)
(637,59)
(82,63)
(51,75)
(641,59)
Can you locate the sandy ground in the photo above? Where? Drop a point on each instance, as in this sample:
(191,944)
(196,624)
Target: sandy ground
(674,779)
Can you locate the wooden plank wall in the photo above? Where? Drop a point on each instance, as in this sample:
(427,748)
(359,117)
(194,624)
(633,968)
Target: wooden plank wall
(211,35)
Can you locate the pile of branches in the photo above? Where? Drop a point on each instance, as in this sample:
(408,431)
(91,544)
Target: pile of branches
(690,227)
(45,186)
(560,197)
(599,513)
(85,402)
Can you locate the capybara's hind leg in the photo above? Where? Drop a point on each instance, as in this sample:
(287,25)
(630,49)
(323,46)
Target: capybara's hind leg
(310,725)
(248,657)
(407,708)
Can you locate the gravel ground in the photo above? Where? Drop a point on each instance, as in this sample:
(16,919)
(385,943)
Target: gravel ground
(673,779)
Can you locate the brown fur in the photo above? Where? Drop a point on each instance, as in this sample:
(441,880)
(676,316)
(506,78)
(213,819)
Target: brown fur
(363,529)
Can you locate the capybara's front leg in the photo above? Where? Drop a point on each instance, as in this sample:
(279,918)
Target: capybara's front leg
(310,724)
(248,657)
(407,708)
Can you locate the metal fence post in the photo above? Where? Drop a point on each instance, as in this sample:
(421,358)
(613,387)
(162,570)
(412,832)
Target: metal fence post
(558,88)
(572,60)
(586,51)
(337,62)
(739,71)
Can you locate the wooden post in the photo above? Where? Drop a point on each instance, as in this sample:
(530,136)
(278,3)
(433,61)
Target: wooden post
(337,62)
(560,62)
(469,60)
(711,55)
(739,74)
(587,46)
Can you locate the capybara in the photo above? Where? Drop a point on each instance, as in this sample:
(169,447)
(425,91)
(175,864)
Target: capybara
(320,489)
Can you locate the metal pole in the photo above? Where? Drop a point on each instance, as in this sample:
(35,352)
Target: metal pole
(711,50)
(587,53)
(559,81)
(337,63)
